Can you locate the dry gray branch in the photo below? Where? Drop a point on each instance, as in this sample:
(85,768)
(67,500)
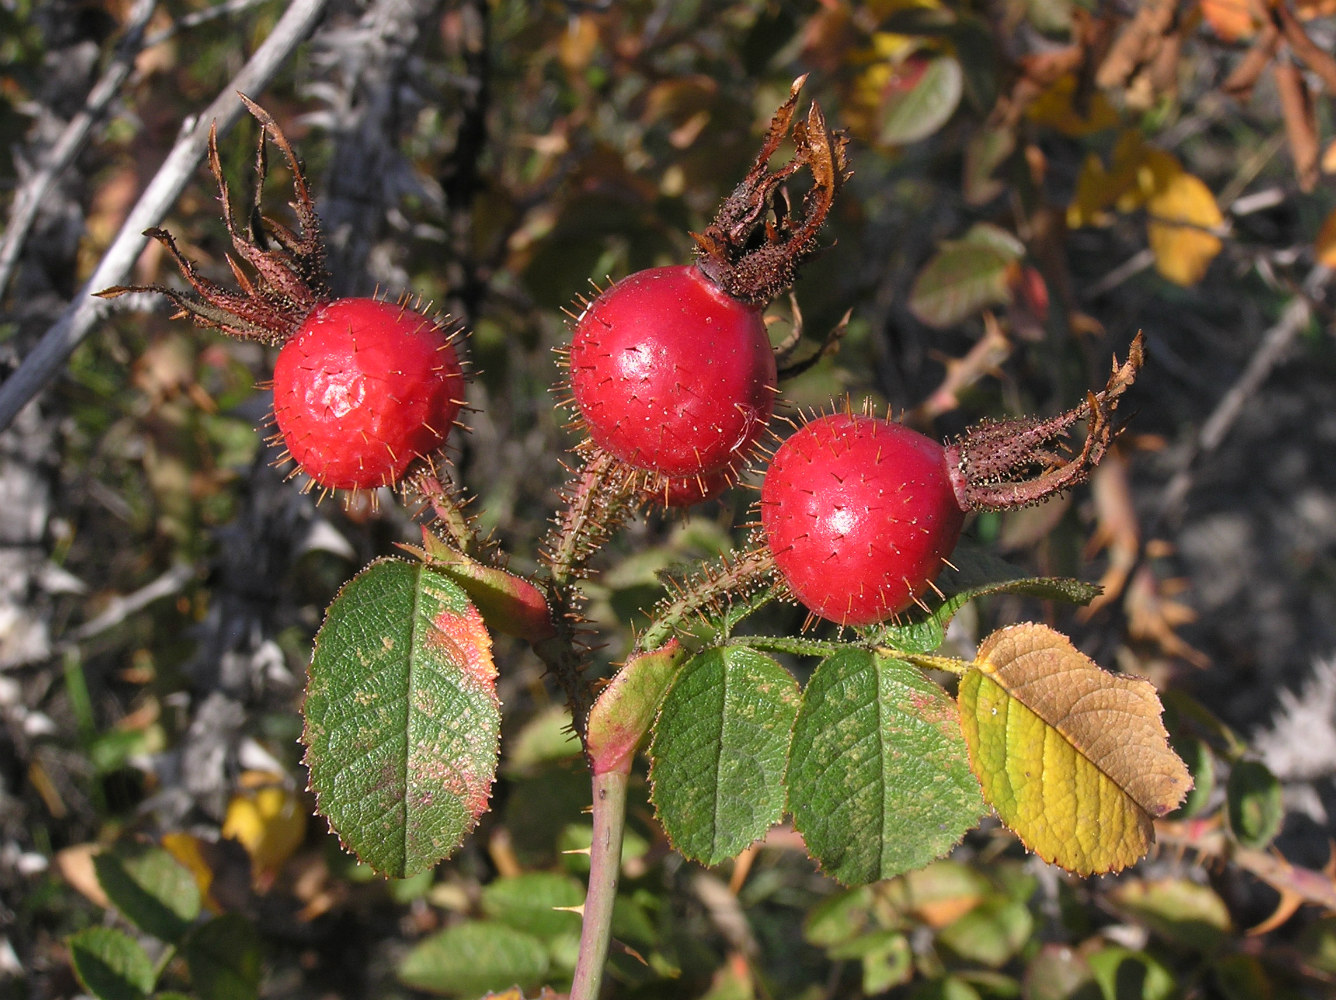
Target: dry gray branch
(31,195)
(1275,344)
(51,353)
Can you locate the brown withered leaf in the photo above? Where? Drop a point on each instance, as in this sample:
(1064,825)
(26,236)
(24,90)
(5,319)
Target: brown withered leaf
(1296,103)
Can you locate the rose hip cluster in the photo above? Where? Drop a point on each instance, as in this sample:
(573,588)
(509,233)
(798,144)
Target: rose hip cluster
(673,374)
(674,380)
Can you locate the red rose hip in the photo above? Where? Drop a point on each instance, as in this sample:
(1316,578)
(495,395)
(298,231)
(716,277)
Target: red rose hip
(671,374)
(362,389)
(859,515)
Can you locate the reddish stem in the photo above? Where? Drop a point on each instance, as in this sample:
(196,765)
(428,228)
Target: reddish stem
(605,863)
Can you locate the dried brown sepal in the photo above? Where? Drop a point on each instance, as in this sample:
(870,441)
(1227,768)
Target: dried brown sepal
(1243,78)
(288,267)
(1296,103)
(755,244)
(1016,463)
(1139,43)
(789,364)
(1313,55)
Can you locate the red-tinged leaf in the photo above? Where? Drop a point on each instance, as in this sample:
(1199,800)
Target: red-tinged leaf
(402,717)
(920,98)
(624,711)
(508,603)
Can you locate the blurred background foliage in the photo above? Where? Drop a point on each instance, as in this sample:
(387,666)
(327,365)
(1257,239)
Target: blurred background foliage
(1035,180)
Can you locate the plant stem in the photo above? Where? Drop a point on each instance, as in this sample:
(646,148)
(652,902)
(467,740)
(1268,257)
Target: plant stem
(447,507)
(605,864)
(710,588)
(598,498)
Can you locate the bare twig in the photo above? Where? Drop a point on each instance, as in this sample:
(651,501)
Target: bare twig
(1240,83)
(196,18)
(55,347)
(1125,271)
(1210,843)
(33,192)
(120,608)
(1276,342)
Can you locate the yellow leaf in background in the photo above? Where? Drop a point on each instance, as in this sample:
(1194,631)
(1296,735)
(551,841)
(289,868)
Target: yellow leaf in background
(1325,245)
(1118,186)
(1090,203)
(188,850)
(268,820)
(1059,109)
(1182,210)
(1075,760)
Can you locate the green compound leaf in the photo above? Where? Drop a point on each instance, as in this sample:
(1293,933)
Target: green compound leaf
(402,717)
(150,888)
(879,782)
(110,964)
(224,959)
(719,750)
(471,958)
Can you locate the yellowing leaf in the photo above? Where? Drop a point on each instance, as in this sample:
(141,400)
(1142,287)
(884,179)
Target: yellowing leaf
(1058,108)
(188,850)
(269,821)
(1121,185)
(1182,210)
(1091,201)
(1074,759)
(1325,245)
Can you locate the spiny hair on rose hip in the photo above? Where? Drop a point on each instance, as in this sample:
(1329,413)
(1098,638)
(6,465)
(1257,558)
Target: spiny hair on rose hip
(365,390)
(859,514)
(671,375)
